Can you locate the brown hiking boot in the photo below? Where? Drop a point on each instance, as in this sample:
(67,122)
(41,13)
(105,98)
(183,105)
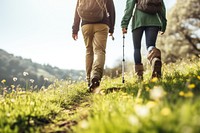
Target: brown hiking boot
(156,68)
(154,58)
(139,71)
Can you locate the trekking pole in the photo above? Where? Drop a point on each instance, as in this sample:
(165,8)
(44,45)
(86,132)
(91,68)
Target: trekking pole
(123,62)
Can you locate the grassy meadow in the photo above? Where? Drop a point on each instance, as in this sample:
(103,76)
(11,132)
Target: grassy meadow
(168,105)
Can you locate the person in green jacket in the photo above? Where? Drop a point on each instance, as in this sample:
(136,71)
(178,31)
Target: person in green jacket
(151,24)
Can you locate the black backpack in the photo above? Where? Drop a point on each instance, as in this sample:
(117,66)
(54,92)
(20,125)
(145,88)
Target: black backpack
(91,10)
(149,6)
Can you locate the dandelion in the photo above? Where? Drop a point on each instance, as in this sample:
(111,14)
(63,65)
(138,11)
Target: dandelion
(141,110)
(147,89)
(4,91)
(181,93)
(25,74)
(2,101)
(32,81)
(191,86)
(198,77)
(133,120)
(46,79)
(189,94)
(12,86)
(165,111)
(155,79)
(32,103)
(84,124)
(3,81)
(31,122)
(12,100)
(14,79)
(138,100)
(8,115)
(157,93)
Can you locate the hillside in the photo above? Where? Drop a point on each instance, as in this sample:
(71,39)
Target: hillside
(168,105)
(12,66)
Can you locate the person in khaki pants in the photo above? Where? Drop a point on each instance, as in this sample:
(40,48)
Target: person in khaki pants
(95,38)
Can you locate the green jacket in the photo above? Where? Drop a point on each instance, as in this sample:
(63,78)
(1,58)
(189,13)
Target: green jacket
(140,18)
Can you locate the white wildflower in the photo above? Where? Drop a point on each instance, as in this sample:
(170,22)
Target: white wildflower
(25,73)
(32,81)
(141,110)
(46,79)
(133,120)
(14,79)
(157,93)
(84,124)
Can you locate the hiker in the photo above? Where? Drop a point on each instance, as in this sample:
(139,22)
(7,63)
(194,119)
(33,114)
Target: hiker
(95,30)
(145,19)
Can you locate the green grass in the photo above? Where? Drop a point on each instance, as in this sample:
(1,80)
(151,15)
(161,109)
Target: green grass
(169,105)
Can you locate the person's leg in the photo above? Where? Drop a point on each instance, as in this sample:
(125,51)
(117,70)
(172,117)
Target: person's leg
(99,48)
(151,33)
(154,54)
(87,31)
(137,37)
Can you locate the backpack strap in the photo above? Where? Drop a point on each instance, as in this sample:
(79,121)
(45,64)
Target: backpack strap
(102,5)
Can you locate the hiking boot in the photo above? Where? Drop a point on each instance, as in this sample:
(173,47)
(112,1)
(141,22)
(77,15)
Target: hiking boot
(94,84)
(156,68)
(139,71)
(154,58)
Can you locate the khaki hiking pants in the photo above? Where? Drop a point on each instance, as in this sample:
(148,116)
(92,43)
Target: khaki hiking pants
(95,38)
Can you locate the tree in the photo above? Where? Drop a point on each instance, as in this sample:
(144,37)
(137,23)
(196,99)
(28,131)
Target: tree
(182,37)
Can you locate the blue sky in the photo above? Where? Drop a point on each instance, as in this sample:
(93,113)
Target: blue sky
(41,30)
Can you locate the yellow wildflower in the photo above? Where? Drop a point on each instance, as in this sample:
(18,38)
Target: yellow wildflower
(166,111)
(189,94)
(12,86)
(12,100)
(155,79)
(181,93)
(191,86)
(198,77)
(147,89)
(32,103)
(138,100)
(8,114)
(3,81)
